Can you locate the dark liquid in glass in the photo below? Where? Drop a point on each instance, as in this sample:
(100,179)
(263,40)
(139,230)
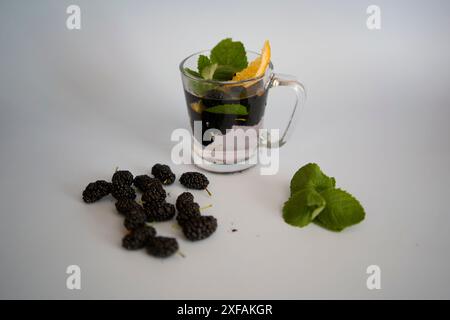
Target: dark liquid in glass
(254,104)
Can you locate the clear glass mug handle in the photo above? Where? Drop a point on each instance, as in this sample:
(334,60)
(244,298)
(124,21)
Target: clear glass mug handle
(283,80)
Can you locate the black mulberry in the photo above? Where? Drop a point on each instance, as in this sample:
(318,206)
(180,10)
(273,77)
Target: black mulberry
(185,197)
(187,212)
(162,247)
(138,238)
(126,205)
(199,228)
(194,180)
(96,190)
(156,193)
(237,92)
(163,173)
(159,211)
(122,177)
(144,182)
(134,219)
(122,191)
(214,97)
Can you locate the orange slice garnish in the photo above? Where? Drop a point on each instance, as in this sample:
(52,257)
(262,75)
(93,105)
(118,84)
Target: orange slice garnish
(257,67)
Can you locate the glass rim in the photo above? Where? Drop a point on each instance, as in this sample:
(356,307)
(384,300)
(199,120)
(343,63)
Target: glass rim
(220,82)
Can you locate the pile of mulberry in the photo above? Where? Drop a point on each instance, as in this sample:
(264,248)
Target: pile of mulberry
(144,182)
(156,193)
(199,228)
(96,190)
(159,211)
(122,177)
(154,208)
(122,191)
(162,247)
(163,173)
(194,180)
(138,238)
(134,219)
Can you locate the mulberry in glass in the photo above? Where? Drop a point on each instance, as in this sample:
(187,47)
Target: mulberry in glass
(226,116)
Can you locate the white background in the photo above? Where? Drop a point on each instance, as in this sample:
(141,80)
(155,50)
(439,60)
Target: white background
(76,104)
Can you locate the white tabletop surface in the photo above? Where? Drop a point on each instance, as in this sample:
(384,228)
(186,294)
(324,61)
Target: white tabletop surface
(76,104)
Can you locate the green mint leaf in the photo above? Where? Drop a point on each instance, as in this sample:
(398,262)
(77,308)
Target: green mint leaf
(310,175)
(202,62)
(224,73)
(303,207)
(227,58)
(192,72)
(199,88)
(208,71)
(237,109)
(230,53)
(315,198)
(342,210)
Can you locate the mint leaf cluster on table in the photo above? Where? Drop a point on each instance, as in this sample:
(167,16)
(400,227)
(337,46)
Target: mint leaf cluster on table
(226,59)
(315,198)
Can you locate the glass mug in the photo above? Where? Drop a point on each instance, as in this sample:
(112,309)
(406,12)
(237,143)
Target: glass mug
(227,116)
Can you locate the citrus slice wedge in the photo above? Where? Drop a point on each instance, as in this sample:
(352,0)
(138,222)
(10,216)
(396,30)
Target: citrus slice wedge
(257,67)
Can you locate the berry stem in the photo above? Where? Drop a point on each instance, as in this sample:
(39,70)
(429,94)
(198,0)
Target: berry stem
(209,193)
(176,226)
(206,207)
